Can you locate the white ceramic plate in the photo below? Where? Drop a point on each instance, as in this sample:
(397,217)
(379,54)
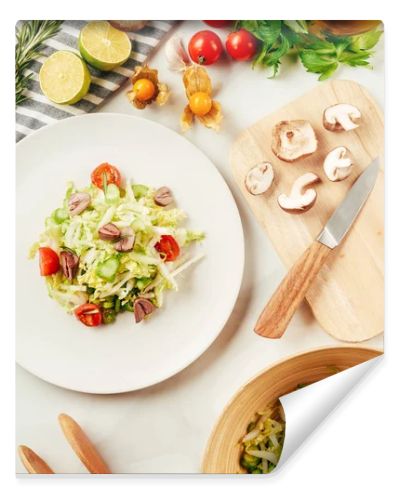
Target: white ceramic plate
(123,356)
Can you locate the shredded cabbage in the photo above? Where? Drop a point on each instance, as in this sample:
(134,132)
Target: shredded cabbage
(141,272)
(262,445)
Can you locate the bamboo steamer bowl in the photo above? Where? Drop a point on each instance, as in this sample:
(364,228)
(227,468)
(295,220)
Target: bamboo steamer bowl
(223,449)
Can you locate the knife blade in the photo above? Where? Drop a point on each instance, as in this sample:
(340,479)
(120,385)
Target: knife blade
(343,217)
(277,314)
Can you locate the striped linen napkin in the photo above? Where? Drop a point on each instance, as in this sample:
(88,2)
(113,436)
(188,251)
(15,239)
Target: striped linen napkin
(37,111)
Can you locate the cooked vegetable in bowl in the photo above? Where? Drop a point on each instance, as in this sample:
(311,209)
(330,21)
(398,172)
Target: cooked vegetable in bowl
(111,248)
(231,445)
(263,443)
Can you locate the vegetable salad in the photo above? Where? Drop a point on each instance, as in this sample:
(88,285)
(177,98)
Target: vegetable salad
(111,248)
(263,443)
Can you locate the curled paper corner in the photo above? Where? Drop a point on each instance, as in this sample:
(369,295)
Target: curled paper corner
(306,408)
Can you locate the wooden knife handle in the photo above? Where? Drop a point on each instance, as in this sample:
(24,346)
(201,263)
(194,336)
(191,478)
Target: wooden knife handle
(32,462)
(82,446)
(277,314)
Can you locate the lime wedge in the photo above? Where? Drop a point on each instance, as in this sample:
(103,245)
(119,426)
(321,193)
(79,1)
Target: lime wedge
(64,77)
(103,46)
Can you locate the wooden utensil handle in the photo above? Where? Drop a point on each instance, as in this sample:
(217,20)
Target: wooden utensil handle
(82,446)
(32,462)
(277,314)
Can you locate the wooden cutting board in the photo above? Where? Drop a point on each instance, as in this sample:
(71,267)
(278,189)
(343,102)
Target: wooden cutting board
(347,297)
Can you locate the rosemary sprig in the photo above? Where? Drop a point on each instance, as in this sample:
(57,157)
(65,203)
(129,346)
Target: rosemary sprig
(30,37)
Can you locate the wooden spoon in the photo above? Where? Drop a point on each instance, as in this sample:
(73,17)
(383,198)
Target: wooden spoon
(82,446)
(32,462)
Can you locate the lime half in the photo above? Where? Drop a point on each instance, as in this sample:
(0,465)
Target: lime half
(64,77)
(103,46)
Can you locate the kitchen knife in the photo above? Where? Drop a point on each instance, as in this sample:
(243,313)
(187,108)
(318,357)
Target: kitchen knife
(277,314)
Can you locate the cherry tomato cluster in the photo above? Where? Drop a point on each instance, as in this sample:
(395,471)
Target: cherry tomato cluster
(205,47)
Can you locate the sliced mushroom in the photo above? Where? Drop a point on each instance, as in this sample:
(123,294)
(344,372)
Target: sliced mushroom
(341,117)
(109,232)
(293,139)
(78,202)
(259,178)
(126,241)
(337,164)
(300,199)
(69,264)
(163,196)
(142,308)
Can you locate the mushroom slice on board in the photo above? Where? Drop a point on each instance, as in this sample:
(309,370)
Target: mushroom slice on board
(259,178)
(293,139)
(337,164)
(341,117)
(301,197)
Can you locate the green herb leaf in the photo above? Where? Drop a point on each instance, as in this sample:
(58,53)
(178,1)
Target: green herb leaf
(321,54)
(266,31)
(269,31)
(315,62)
(328,72)
(366,41)
(297,26)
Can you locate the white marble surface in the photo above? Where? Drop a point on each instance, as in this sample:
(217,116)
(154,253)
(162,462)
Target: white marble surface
(165,428)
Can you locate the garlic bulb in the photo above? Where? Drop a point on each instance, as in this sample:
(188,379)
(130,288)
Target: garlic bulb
(175,54)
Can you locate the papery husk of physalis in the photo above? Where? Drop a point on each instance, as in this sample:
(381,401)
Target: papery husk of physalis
(214,117)
(186,119)
(161,94)
(196,79)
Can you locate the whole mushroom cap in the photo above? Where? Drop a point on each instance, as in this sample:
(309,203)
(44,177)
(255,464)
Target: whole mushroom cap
(293,139)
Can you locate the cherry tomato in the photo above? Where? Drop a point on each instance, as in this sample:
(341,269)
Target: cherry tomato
(89,314)
(144,89)
(205,47)
(200,103)
(241,45)
(168,247)
(218,24)
(49,262)
(112,175)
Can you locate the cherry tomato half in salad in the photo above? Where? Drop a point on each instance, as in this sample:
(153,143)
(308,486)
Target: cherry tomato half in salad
(168,247)
(241,45)
(218,24)
(49,262)
(108,173)
(205,47)
(89,314)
